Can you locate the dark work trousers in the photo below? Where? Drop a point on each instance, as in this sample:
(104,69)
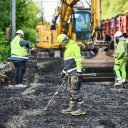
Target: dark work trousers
(74,85)
(20,68)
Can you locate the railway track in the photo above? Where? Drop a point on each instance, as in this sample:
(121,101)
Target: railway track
(95,73)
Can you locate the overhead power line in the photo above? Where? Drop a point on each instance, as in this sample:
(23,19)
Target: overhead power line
(13,18)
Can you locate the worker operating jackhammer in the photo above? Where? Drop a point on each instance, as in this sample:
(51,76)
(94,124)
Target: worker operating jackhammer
(72,68)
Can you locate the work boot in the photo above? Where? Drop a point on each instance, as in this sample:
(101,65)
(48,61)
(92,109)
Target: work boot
(123,81)
(21,86)
(72,107)
(118,83)
(80,110)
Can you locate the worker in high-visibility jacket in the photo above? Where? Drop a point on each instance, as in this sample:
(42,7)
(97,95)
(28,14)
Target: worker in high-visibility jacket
(72,67)
(120,54)
(19,57)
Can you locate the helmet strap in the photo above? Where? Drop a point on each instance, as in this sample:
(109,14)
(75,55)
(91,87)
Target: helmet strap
(65,41)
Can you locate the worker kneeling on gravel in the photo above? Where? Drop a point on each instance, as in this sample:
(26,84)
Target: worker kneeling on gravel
(120,54)
(19,57)
(72,68)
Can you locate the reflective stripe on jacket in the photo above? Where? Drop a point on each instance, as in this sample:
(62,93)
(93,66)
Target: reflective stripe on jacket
(16,49)
(72,57)
(121,50)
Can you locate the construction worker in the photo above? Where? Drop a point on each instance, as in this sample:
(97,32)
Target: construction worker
(120,54)
(19,57)
(72,67)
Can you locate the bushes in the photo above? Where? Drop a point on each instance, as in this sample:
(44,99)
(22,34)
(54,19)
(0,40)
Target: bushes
(4,47)
(30,35)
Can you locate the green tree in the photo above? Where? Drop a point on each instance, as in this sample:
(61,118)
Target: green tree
(26,20)
(4,14)
(4,47)
(4,22)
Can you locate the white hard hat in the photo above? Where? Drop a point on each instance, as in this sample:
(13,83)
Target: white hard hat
(20,32)
(118,34)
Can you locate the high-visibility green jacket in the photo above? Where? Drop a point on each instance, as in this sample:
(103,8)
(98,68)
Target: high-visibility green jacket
(16,49)
(120,51)
(72,57)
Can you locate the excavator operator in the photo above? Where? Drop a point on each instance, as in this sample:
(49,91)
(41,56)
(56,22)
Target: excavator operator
(80,24)
(72,68)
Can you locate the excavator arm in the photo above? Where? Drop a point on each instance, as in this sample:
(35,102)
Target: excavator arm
(65,13)
(96,14)
(70,2)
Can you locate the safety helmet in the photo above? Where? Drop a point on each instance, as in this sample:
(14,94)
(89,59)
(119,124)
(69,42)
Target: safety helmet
(118,34)
(61,38)
(20,32)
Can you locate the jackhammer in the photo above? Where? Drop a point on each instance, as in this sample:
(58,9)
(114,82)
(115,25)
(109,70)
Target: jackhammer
(63,82)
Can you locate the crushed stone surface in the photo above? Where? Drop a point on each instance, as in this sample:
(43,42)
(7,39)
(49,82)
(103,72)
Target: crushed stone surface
(106,106)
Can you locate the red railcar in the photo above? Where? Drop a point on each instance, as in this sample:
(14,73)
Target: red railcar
(107,27)
(113,27)
(124,24)
(119,22)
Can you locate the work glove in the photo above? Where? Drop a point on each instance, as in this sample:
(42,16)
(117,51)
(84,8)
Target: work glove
(63,74)
(33,50)
(115,55)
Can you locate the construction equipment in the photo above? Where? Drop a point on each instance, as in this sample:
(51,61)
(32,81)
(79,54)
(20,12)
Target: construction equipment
(95,50)
(68,15)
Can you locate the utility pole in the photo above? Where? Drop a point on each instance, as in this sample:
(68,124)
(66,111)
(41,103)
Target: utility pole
(42,14)
(13,18)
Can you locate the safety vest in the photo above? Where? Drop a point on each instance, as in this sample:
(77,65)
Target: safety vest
(72,57)
(16,49)
(120,51)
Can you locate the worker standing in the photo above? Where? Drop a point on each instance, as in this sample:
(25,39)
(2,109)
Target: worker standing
(19,57)
(72,67)
(120,54)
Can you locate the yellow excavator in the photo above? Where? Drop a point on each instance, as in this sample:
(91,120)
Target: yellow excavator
(70,14)
(67,19)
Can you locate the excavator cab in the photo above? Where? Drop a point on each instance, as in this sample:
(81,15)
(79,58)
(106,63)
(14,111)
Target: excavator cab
(82,25)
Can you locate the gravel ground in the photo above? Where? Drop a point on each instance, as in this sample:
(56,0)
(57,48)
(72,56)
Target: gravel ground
(106,106)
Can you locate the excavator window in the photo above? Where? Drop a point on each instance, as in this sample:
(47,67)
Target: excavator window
(82,26)
(82,21)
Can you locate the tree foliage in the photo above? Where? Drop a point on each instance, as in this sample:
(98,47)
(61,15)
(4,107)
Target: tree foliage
(26,19)
(4,47)
(4,14)
(111,8)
